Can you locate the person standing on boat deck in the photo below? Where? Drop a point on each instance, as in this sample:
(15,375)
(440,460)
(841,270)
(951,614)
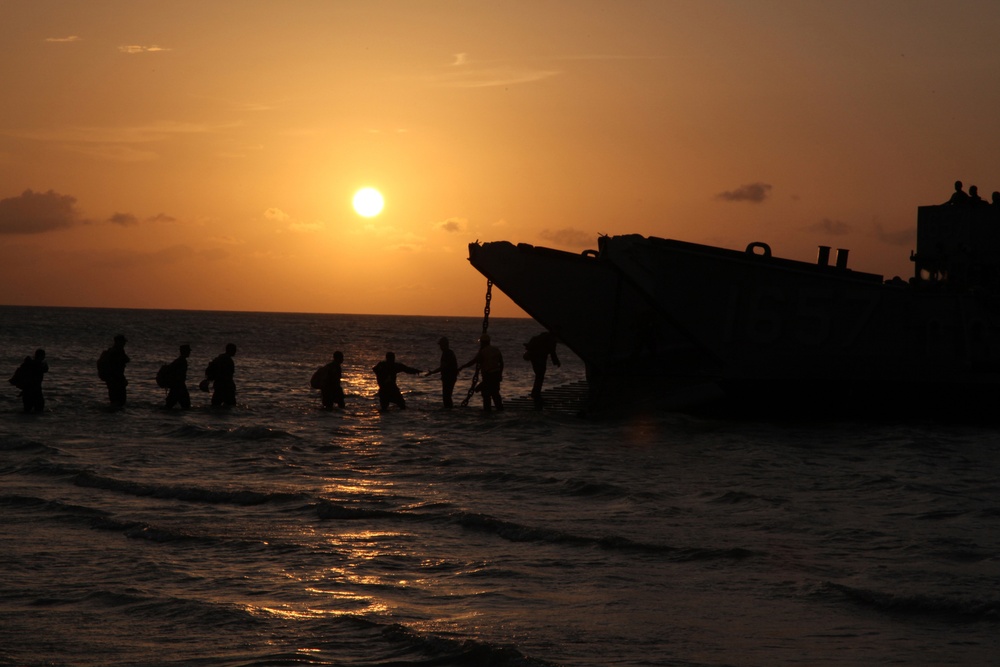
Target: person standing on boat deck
(538,350)
(448,370)
(958,198)
(330,389)
(111,369)
(385,374)
(221,371)
(974,198)
(177,393)
(996,200)
(491,366)
(28,378)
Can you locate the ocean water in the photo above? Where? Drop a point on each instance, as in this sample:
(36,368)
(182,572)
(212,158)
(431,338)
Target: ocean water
(277,533)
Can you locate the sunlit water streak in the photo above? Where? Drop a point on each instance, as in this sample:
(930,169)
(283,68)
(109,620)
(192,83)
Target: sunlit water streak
(279,533)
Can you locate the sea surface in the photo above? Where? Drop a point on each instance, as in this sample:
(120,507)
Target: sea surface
(279,533)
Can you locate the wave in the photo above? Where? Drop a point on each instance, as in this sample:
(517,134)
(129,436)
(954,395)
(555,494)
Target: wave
(571,487)
(52,507)
(185,493)
(516,532)
(376,644)
(244,433)
(741,497)
(922,605)
(20,445)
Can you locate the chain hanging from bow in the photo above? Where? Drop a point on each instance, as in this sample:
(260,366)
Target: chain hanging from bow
(486,326)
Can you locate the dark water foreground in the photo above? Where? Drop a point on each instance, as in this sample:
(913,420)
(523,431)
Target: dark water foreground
(281,534)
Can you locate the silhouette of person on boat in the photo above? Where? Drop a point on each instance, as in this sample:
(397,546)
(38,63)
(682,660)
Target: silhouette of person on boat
(385,374)
(490,362)
(538,350)
(28,378)
(327,380)
(221,372)
(111,369)
(173,377)
(958,197)
(974,198)
(448,370)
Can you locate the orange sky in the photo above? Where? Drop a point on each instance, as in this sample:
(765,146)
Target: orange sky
(204,154)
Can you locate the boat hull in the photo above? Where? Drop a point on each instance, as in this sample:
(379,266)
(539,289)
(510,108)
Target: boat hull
(704,325)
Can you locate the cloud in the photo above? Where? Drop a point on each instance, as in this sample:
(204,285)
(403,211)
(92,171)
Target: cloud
(136,48)
(466,73)
(120,144)
(124,219)
(276,214)
(35,213)
(453,225)
(831,227)
(751,192)
(901,238)
(70,38)
(573,238)
(292,225)
(306,226)
(129,220)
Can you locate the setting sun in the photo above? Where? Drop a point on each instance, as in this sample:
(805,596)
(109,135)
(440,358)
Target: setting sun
(368,202)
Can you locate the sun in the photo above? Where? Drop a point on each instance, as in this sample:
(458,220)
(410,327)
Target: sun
(368,202)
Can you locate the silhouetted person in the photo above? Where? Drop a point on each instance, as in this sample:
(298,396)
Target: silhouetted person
(385,375)
(490,363)
(958,198)
(111,369)
(330,389)
(177,393)
(220,372)
(538,351)
(448,370)
(974,198)
(996,201)
(28,378)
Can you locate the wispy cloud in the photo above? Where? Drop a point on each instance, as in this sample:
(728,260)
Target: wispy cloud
(752,192)
(466,73)
(568,237)
(288,223)
(130,220)
(830,227)
(64,40)
(118,144)
(453,225)
(138,48)
(900,238)
(124,219)
(38,212)
(277,215)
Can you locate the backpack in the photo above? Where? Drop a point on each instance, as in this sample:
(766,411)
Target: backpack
(165,376)
(212,370)
(19,379)
(104,366)
(318,378)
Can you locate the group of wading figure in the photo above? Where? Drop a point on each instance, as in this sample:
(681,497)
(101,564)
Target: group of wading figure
(220,372)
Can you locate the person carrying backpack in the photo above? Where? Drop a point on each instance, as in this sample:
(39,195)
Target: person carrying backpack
(111,369)
(28,378)
(173,377)
(220,372)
